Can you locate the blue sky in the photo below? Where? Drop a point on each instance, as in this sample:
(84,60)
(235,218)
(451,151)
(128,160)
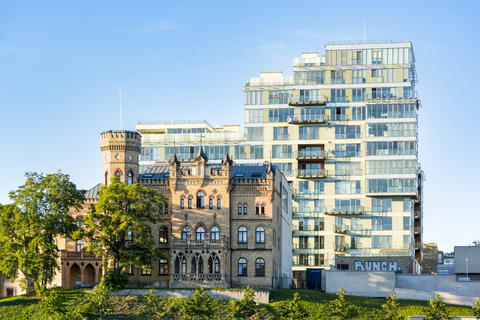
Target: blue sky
(62,62)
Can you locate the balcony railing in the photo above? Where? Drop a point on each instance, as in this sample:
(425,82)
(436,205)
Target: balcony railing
(307,193)
(308,100)
(348,172)
(418,214)
(308,246)
(198,277)
(308,210)
(339,99)
(395,246)
(342,247)
(204,242)
(309,118)
(337,81)
(340,228)
(283,155)
(345,210)
(310,154)
(347,154)
(79,255)
(398,95)
(311,173)
(282,137)
(417,230)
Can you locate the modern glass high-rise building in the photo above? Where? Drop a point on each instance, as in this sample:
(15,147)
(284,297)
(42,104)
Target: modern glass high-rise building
(343,129)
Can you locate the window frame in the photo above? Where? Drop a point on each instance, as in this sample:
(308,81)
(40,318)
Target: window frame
(260,267)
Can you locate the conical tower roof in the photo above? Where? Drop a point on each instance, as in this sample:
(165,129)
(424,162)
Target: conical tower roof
(201,155)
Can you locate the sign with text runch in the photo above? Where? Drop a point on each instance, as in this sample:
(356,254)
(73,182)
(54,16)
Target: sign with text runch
(379,265)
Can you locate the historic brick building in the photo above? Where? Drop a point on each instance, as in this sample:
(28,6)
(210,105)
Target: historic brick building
(223,226)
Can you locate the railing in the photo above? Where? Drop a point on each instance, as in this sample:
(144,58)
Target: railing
(418,214)
(79,255)
(307,193)
(398,95)
(282,137)
(340,246)
(339,99)
(337,81)
(404,133)
(355,246)
(347,154)
(395,245)
(308,209)
(194,137)
(394,152)
(304,118)
(198,276)
(273,81)
(347,172)
(358,79)
(364,41)
(301,228)
(310,154)
(417,230)
(308,246)
(390,170)
(286,155)
(340,228)
(344,209)
(307,100)
(350,191)
(207,242)
(311,173)
(418,246)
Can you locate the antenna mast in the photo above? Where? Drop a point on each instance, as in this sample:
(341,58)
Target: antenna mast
(120,108)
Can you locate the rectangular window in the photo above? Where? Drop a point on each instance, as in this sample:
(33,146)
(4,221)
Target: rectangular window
(280,115)
(337,76)
(382,205)
(303,187)
(406,223)
(303,242)
(308,133)
(256,152)
(286,168)
(253,97)
(347,187)
(319,205)
(381,223)
(347,205)
(319,259)
(319,187)
(407,204)
(254,133)
(309,77)
(282,152)
(348,168)
(319,242)
(382,111)
(355,224)
(358,113)
(319,224)
(280,133)
(348,132)
(391,185)
(355,242)
(381,242)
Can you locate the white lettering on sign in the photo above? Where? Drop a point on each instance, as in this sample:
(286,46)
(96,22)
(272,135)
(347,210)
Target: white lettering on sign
(376,266)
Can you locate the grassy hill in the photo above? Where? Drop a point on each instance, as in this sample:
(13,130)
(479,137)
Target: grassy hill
(130,307)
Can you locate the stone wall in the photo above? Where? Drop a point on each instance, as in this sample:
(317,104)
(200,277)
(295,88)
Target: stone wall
(261,296)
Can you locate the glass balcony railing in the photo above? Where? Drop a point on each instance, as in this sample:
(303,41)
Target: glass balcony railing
(390,170)
(308,209)
(340,246)
(405,133)
(310,154)
(358,80)
(311,173)
(283,155)
(344,209)
(306,118)
(340,228)
(410,94)
(339,99)
(347,154)
(337,81)
(394,245)
(282,137)
(345,172)
(300,100)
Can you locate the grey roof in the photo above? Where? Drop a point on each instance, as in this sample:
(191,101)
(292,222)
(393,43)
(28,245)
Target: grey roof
(250,172)
(93,193)
(157,172)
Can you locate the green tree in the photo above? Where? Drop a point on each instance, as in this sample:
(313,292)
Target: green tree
(476,309)
(199,306)
(391,308)
(436,309)
(100,303)
(341,308)
(30,226)
(119,228)
(53,305)
(245,307)
(293,309)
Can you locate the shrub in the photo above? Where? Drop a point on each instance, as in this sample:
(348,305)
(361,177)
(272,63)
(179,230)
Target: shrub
(115,281)
(293,309)
(100,303)
(199,306)
(245,307)
(476,309)
(53,305)
(436,310)
(391,308)
(152,307)
(342,308)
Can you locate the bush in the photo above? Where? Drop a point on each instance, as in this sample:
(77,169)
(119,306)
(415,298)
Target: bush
(476,309)
(436,310)
(115,281)
(391,308)
(98,304)
(342,308)
(152,307)
(293,309)
(245,307)
(199,306)
(53,305)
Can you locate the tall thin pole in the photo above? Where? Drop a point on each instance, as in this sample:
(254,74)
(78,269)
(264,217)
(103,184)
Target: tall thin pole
(364,26)
(120,108)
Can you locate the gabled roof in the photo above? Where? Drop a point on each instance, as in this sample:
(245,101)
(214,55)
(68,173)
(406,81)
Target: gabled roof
(93,193)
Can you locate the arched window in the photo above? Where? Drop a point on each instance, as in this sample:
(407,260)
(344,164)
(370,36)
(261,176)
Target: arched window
(260,267)
(186,233)
(215,234)
(163,267)
(200,234)
(218,203)
(260,235)
(80,245)
(163,235)
(106,178)
(239,208)
(184,266)
(217,266)
(200,196)
(263,208)
(166,208)
(80,221)
(193,266)
(200,265)
(245,209)
(257,209)
(189,202)
(242,267)
(130,178)
(117,174)
(210,202)
(242,235)
(182,202)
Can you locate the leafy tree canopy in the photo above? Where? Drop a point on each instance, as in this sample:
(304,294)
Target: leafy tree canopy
(119,225)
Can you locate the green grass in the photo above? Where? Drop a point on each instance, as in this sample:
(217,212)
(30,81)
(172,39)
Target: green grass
(24,307)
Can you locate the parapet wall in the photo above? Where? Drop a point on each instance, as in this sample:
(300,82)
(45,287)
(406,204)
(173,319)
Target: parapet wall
(261,296)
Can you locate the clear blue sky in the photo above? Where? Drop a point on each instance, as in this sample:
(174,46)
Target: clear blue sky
(62,62)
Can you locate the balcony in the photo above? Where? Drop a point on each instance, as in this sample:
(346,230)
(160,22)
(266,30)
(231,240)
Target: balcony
(358,80)
(355,246)
(337,81)
(418,214)
(311,173)
(340,247)
(348,172)
(209,277)
(310,154)
(307,100)
(297,210)
(283,155)
(200,243)
(308,118)
(343,210)
(308,246)
(418,246)
(380,97)
(79,255)
(417,230)
(394,246)
(301,194)
(281,137)
(339,99)
(340,228)
(301,228)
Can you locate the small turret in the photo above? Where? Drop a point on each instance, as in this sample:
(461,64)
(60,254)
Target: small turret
(201,155)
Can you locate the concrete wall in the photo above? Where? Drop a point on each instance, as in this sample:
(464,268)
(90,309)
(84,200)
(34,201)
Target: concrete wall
(462,254)
(368,284)
(402,293)
(260,295)
(442,283)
